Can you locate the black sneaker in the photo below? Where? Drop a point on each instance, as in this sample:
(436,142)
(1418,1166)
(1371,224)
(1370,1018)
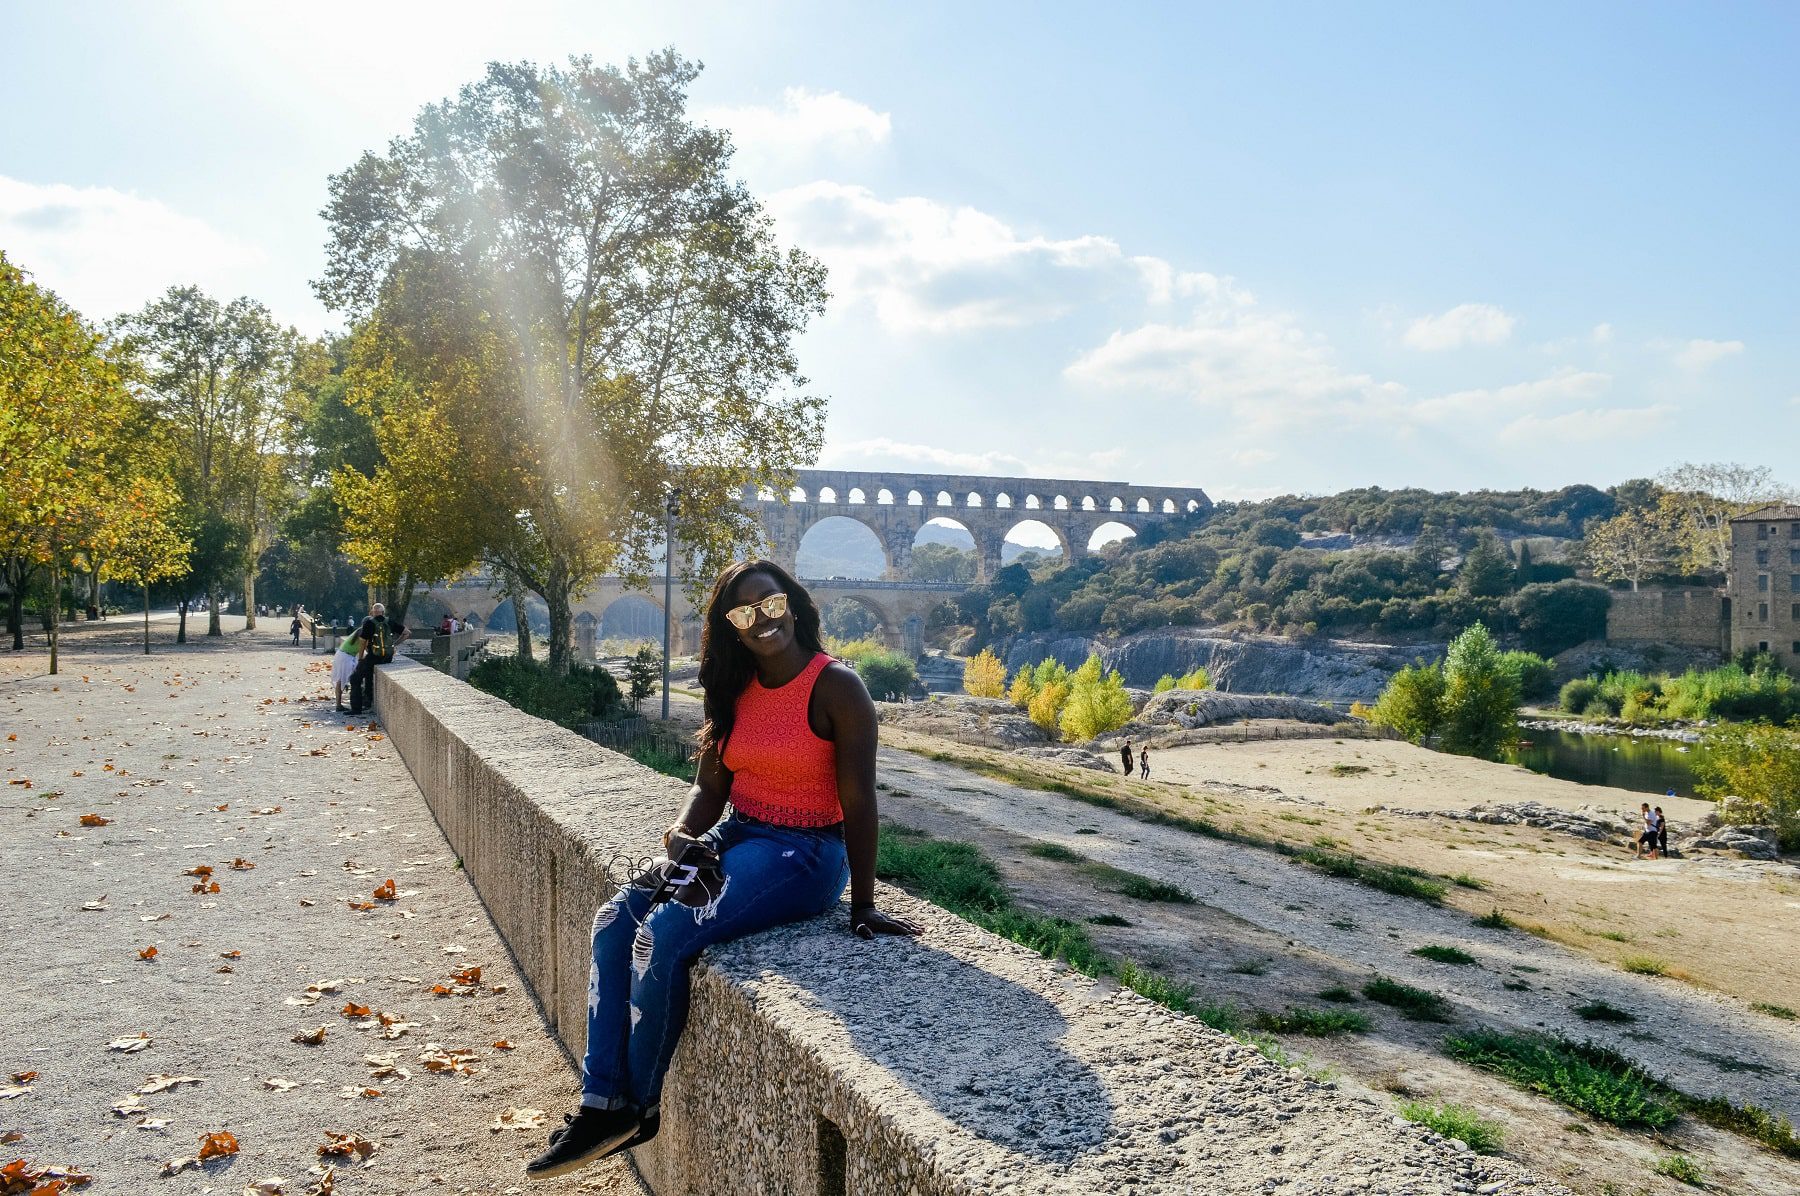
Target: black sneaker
(587,1135)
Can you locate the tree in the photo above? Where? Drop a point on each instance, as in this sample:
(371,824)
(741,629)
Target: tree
(1487,571)
(1047,705)
(941,562)
(561,262)
(1635,543)
(1707,497)
(889,675)
(1412,702)
(1097,703)
(1553,616)
(642,672)
(1022,690)
(143,541)
(985,675)
(1481,697)
(1753,771)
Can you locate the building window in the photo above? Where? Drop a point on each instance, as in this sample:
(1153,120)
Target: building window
(1797,647)
(1794,581)
(1762,583)
(1795,613)
(1794,553)
(1762,612)
(1762,531)
(1762,556)
(1762,645)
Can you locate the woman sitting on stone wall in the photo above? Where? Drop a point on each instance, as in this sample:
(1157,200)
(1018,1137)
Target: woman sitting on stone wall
(789,741)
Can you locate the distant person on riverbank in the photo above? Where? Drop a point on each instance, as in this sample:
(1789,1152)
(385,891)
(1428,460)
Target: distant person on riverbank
(1646,840)
(1662,833)
(789,742)
(343,664)
(1144,762)
(447,627)
(1125,757)
(379,635)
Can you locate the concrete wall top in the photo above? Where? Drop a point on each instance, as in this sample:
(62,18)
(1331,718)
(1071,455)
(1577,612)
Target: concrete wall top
(814,1063)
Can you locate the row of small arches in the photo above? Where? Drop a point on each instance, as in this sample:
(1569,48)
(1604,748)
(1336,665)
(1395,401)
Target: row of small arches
(885,497)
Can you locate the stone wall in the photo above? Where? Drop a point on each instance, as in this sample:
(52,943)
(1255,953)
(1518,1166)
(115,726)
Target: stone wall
(1691,616)
(817,1065)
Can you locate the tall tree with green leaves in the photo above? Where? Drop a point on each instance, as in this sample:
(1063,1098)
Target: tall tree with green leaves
(1636,543)
(564,266)
(1481,697)
(142,540)
(1706,496)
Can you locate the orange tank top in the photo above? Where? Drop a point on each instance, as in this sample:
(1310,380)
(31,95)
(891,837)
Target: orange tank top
(781,771)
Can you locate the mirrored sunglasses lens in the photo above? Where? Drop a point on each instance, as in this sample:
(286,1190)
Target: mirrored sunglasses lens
(741,617)
(775,605)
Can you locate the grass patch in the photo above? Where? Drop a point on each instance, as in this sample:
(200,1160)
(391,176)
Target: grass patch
(1617,936)
(1315,1023)
(1415,1003)
(1494,920)
(1055,851)
(1597,1081)
(671,762)
(1456,1121)
(1348,770)
(1337,993)
(1250,967)
(1600,1011)
(1780,1011)
(1389,878)
(1463,880)
(1759,1125)
(1645,965)
(1108,920)
(1680,1167)
(1439,954)
(1142,888)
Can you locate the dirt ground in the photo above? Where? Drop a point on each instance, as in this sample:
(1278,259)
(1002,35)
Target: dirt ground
(227,755)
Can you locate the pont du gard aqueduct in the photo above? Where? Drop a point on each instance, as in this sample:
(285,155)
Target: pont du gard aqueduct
(895,507)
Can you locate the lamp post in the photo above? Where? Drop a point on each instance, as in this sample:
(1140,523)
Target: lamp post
(671,508)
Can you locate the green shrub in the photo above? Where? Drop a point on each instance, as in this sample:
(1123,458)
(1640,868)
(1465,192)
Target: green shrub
(1756,768)
(582,695)
(1108,920)
(1457,1121)
(1455,955)
(1600,1011)
(889,675)
(1594,1080)
(1055,851)
(1680,1167)
(1644,965)
(1414,1003)
(1337,993)
(1494,919)
(1533,676)
(1412,703)
(1577,694)
(1164,684)
(1315,1023)
(1142,888)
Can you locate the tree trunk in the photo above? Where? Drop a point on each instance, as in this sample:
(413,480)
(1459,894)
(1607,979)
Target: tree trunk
(146,618)
(250,600)
(181,621)
(212,611)
(15,612)
(515,593)
(562,623)
(403,595)
(55,605)
(93,610)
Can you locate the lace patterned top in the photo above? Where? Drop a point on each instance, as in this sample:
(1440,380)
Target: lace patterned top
(781,771)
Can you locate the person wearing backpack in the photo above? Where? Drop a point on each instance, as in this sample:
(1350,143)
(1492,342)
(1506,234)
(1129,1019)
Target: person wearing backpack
(379,635)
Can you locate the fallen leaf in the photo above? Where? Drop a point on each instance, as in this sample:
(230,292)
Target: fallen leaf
(327,1184)
(312,1037)
(467,976)
(352,1009)
(518,1119)
(11,1136)
(346,1144)
(386,892)
(223,808)
(8,1092)
(304,901)
(203,887)
(24,1077)
(231,955)
(437,1059)
(241,865)
(154,1124)
(131,1045)
(224,967)
(147,953)
(353,1092)
(361,906)
(279,1084)
(95,820)
(203,871)
(131,1106)
(504,1045)
(161,1083)
(272,1186)
(217,1145)
(177,1166)
(96,907)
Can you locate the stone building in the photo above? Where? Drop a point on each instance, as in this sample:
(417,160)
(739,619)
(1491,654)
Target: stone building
(1764,582)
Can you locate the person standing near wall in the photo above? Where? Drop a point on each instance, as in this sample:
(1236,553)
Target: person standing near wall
(379,636)
(789,741)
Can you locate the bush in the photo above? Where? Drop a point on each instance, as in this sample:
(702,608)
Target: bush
(1757,768)
(642,673)
(1414,1003)
(1046,705)
(1164,684)
(1592,1079)
(852,651)
(1481,699)
(889,675)
(1096,703)
(985,676)
(1578,694)
(1459,1122)
(1411,703)
(1532,674)
(583,695)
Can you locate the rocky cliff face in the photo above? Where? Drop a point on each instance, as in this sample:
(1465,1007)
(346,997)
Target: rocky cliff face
(1330,669)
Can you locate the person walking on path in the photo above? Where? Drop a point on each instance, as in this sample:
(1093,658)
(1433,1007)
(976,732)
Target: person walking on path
(789,741)
(1646,840)
(379,635)
(343,664)
(294,627)
(1125,757)
(1144,763)
(1662,834)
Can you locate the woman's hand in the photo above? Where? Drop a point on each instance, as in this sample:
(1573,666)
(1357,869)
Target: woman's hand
(866,922)
(676,828)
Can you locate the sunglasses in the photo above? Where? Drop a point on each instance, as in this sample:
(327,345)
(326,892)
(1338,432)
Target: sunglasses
(740,617)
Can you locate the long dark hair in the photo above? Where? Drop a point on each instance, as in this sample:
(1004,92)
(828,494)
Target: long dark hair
(726,666)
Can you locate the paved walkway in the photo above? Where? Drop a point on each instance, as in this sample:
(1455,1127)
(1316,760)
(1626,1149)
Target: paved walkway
(227,755)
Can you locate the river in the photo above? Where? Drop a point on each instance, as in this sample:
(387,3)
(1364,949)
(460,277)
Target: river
(1652,766)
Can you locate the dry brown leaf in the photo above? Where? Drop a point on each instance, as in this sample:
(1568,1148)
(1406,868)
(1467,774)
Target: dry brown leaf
(517,1119)
(217,1145)
(437,1059)
(203,887)
(271,1186)
(241,865)
(327,1184)
(346,1144)
(147,953)
(24,1077)
(231,955)
(304,901)
(223,808)
(11,1136)
(203,871)
(177,1166)
(352,1009)
(162,1083)
(129,1045)
(504,1045)
(361,906)
(386,891)
(279,1084)
(95,820)
(311,1038)
(467,976)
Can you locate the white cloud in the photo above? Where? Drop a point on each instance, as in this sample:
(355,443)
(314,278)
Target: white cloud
(882,452)
(1466,324)
(1698,354)
(923,266)
(105,251)
(1250,457)
(1601,423)
(805,123)
(1603,334)
(1564,385)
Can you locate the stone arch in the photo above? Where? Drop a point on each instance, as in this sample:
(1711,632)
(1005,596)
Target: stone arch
(1061,537)
(918,540)
(1115,504)
(764,494)
(796,494)
(855,497)
(1031,502)
(887,626)
(1168,506)
(944,500)
(914,499)
(1103,534)
(884,497)
(1143,505)
(1087,503)
(826,494)
(834,566)
(974,500)
(1003,501)
(1060,503)
(1193,504)
(631,616)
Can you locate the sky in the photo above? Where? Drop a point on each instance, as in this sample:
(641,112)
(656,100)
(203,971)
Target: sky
(1258,249)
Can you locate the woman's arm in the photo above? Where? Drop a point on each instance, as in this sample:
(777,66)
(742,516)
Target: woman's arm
(854,728)
(706,800)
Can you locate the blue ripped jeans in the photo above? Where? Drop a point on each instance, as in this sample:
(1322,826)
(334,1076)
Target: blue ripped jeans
(638,987)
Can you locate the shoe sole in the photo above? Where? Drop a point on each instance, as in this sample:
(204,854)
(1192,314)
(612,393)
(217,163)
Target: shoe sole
(579,1161)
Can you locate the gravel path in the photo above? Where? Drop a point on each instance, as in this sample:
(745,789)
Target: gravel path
(227,755)
(1705,1044)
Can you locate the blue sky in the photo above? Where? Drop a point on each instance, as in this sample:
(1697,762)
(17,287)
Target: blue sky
(1253,248)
